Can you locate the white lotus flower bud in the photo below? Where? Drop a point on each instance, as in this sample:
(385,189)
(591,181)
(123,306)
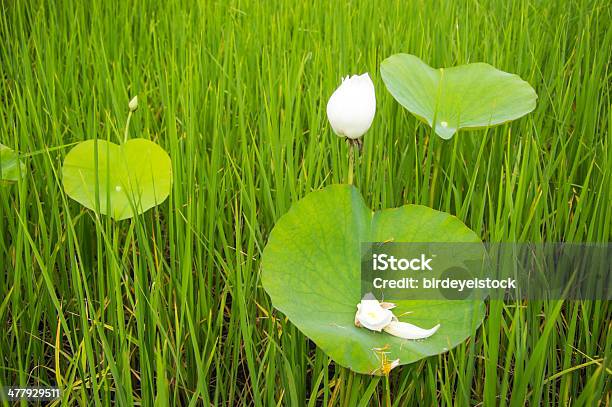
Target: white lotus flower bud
(408,331)
(352,106)
(133,105)
(370,314)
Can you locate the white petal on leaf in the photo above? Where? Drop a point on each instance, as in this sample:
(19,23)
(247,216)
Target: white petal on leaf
(371,315)
(408,331)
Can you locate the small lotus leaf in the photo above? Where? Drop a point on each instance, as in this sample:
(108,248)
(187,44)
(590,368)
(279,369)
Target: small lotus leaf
(10,165)
(468,96)
(120,180)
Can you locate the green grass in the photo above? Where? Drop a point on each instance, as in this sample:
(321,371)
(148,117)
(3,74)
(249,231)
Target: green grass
(169,308)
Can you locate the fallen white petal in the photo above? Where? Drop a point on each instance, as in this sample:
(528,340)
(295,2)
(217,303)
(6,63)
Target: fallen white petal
(370,314)
(408,331)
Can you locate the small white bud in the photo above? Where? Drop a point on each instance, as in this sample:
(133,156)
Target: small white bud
(133,104)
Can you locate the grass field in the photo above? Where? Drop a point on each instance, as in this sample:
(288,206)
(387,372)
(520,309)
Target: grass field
(168,309)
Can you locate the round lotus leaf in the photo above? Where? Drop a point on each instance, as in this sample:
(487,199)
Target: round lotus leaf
(10,165)
(120,180)
(468,96)
(311,270)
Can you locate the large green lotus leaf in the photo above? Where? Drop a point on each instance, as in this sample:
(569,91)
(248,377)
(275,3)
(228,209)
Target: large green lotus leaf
(311,270)
(10,165)
(468,96)
(132,177)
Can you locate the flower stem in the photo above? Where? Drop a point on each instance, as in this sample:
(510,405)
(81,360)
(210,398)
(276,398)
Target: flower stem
(434,177)
(351,162)
(127,125)
(387,391)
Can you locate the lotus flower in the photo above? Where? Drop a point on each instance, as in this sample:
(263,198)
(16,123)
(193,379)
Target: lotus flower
(352,106)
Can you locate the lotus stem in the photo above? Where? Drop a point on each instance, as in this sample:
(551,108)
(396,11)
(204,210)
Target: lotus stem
(351,162)
(127,125)
(387,391)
